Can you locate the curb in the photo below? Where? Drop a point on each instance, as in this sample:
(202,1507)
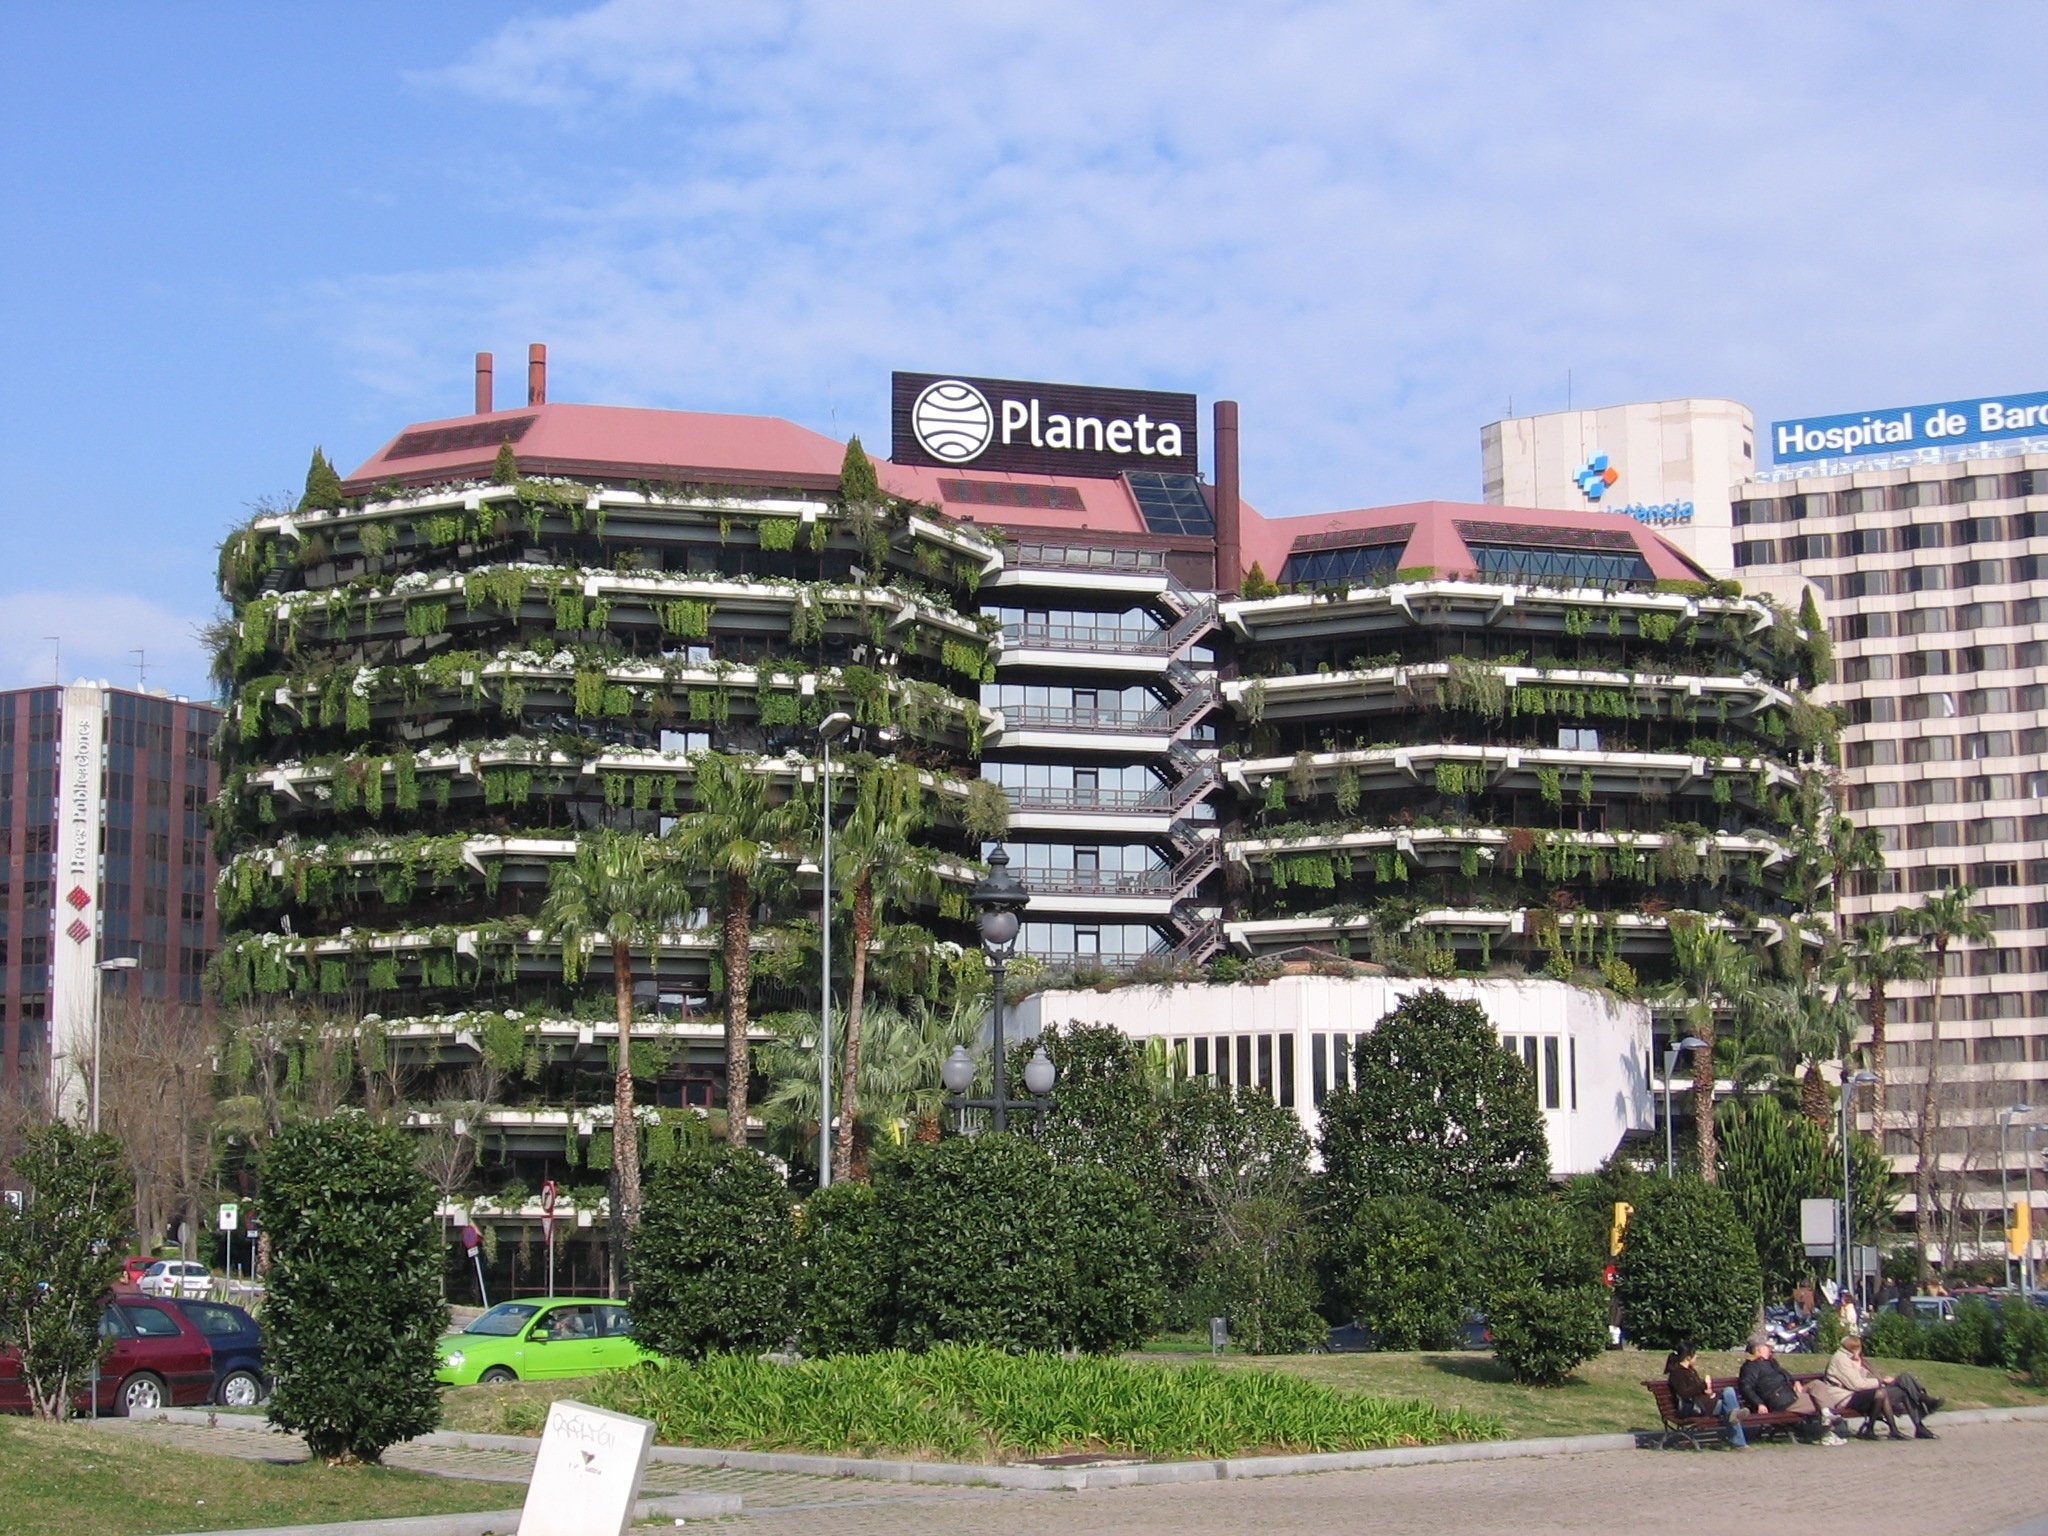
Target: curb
(1080,1479)
(491,1522)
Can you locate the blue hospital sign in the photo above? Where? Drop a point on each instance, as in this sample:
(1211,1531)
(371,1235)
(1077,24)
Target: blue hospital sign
(1904,428)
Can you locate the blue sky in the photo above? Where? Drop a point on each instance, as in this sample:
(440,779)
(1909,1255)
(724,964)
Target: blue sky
(238,230)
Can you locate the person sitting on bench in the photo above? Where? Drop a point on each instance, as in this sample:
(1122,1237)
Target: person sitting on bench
(1694,1396)
(1883,1395)
(1764,1385)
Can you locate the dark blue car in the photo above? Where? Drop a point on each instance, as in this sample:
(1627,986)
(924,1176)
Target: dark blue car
(237,1340)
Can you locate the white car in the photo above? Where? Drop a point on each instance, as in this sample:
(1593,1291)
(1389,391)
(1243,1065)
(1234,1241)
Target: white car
(175,1277)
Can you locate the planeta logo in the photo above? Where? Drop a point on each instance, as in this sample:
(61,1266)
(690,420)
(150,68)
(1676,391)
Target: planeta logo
(952,421)
(1595,476)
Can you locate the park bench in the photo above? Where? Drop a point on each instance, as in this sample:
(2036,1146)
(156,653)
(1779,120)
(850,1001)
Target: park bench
(1693,1432)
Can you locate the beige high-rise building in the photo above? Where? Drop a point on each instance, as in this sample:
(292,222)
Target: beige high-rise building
(1935,580)
(1929,553)
(1672,464)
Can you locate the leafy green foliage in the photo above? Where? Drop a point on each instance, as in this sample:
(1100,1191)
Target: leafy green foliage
(1238,1166)
(59,1254)
(976,1403)
(1438,1108)
(1688,1269)
(1541,1291)
(844,1253)
(1103,1110)
(505,468)
(714,1258)
(323,486)
(976,1224)
(354,1304)
(1400,1265)
(1113,1230)
(1771,1159)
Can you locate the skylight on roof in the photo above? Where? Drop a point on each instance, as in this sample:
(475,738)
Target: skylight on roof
(1171,503)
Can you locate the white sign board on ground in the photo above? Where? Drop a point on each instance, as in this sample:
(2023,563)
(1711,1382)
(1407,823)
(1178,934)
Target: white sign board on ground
(586,1478)
(230,1215)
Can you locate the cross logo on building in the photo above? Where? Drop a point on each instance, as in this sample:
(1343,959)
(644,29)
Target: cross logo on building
(78,930)
(79,897)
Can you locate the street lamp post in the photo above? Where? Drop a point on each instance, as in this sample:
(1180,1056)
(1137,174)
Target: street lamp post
(2005,1119)
(830,729)
(1689,1043)
(2027,1269)
(1845,1257)
(997,899)
(99,989)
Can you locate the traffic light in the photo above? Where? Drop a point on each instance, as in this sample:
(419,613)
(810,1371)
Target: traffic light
(2019,1229)
(1622,1211)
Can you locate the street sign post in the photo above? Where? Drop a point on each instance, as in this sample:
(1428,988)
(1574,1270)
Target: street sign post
(548,1196)
(473,1241)
(230,1217)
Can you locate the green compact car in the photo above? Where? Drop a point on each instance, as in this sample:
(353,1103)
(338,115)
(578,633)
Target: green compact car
(541,1340)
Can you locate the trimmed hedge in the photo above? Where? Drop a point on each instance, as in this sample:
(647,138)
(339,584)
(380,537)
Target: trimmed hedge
(353,1308)
(1688,1268)
(714,1263)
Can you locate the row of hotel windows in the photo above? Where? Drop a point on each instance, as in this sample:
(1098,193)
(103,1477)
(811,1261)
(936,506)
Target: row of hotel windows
(1882,498)
(1993,874)
(1267,1061)
(1890,795)
(1974,747)
(2015,918)
(1882,582)
(1961,704)
(1904,538)
(1989,614)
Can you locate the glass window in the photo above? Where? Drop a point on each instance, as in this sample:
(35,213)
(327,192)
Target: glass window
(148,1323)
(1329,567)
(1533,562)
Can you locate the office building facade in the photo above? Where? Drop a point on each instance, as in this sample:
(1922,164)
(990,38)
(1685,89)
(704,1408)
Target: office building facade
(104,808)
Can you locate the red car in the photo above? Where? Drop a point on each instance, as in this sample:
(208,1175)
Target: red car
(132,1270)
(158,1360)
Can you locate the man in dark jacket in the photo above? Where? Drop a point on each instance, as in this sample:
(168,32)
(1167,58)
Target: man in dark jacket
(1765,1387)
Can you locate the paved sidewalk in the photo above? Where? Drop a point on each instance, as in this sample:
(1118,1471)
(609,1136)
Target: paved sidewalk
(1976,1480)
(769,1492)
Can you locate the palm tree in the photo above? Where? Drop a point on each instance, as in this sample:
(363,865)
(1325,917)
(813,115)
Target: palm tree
(1817,1024)
(1712,971)
(732,838)
(1877,962)
(620,890)
(899,1090)
(878,866)
(1942,920)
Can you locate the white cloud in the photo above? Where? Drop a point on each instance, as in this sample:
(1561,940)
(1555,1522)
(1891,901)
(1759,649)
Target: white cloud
(96,636)
(1371,224)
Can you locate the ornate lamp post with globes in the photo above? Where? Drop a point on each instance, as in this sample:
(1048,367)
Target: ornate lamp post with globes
(997,898)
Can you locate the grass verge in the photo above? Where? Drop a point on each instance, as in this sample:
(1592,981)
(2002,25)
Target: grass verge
(1606,1395)
(960,1403)
(73,1480)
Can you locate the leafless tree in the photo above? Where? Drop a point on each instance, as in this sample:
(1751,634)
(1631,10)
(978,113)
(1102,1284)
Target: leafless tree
(159,1093)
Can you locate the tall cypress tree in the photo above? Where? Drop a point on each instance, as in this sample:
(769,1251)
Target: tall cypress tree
(323,486)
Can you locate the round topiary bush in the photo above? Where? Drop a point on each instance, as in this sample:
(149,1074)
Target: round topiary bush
(352,1308)
(1400,1266)
(1688,1268)
(1542,1292)
(714,1255)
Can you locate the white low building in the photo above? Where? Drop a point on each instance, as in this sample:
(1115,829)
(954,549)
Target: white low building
(1292,1037)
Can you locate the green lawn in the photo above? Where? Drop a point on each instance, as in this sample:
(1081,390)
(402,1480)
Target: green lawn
(1607,1394)
(1606,1397)
(73,1480)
